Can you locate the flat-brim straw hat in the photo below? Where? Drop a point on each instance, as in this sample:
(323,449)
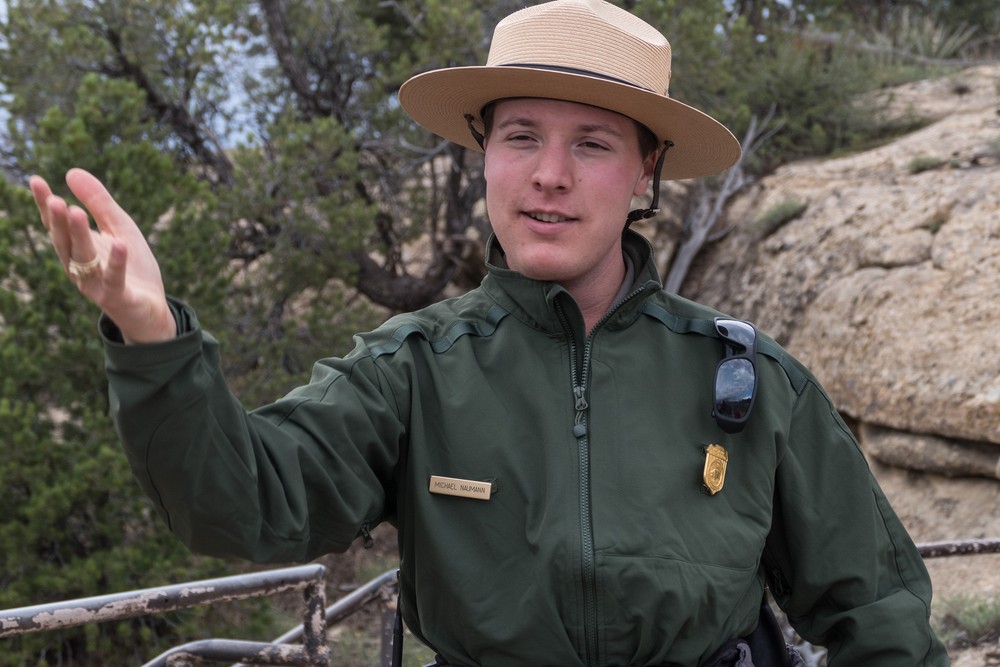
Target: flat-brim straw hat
(585,51)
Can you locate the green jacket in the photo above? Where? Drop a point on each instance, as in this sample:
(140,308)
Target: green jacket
(598,544)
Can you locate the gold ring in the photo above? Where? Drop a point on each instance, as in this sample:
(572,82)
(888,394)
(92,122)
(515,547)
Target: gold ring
(83,270)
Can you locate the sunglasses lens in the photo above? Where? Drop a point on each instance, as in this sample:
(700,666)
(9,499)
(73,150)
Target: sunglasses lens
(734,385)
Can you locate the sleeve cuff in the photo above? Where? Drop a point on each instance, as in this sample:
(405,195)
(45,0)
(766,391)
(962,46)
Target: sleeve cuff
(184,316)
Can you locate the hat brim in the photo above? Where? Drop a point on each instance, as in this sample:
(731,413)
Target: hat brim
(438,100)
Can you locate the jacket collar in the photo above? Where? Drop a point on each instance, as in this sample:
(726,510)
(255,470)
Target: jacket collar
(538,303)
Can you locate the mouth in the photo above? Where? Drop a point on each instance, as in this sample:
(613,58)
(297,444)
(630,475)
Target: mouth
(547,217)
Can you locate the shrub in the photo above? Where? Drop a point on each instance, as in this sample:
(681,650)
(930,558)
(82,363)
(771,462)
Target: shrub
(776,216)
(969,620)
(924,163)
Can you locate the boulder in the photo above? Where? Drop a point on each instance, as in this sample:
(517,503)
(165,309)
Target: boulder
(887,286)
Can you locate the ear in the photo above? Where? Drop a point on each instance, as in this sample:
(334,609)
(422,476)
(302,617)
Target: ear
(642,183)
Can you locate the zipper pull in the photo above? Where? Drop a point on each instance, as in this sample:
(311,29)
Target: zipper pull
(579,428)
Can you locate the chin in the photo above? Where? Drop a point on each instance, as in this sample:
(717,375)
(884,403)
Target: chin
(543,264)
(552,271)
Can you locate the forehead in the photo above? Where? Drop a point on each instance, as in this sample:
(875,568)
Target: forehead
(535,110)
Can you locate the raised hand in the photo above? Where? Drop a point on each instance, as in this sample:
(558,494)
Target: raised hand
(112,265)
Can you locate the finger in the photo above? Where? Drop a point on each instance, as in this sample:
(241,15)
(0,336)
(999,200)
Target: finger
(41,191)
(114,272)
(94,196)
(142,321)
(58,231)
(81,238)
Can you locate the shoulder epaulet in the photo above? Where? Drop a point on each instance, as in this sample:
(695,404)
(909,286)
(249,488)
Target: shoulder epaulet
(686,316)
(440,339)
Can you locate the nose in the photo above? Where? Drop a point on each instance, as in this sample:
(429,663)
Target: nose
(553,169)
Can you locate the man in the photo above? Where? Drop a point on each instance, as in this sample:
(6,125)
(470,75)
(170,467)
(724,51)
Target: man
(583,469)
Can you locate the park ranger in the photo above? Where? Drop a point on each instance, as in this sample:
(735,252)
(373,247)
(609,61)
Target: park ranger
(583,469)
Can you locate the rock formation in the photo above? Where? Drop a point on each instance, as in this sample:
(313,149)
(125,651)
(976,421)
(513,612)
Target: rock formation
(887,286)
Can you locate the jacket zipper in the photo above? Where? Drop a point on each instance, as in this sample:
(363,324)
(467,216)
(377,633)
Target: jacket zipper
(581,432)
(580,375)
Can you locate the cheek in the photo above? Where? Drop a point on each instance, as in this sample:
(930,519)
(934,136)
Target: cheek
(495,162)
(495,172)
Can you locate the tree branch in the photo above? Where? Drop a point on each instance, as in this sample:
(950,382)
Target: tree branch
(190,132)
(275,13)
(708,205)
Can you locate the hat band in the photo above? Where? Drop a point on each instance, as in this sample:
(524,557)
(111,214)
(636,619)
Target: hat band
(574,70)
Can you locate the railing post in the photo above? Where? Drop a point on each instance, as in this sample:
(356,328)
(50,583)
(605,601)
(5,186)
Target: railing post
(314,625)
(390,616)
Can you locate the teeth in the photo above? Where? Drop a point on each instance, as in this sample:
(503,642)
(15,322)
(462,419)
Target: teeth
(545,217)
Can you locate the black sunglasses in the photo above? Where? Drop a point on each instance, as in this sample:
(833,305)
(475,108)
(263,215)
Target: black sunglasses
(736,375)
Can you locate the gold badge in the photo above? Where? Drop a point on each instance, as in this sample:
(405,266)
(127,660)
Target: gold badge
(463,488)
(714,475)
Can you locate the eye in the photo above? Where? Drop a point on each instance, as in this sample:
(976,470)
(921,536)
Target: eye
(519,137)
(594,145)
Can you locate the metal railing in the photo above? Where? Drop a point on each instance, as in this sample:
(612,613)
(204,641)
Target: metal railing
(311,652)
(384,588)
(959,548)
(286,649)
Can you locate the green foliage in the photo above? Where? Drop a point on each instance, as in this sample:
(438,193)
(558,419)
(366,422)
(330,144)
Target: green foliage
(924,163)
(776,216)
(427,34)
(362,646)
(74,523)
(708,52)
(173,44)
(924,36)
(303,188)
(968,620)
(736,71)
(816,92)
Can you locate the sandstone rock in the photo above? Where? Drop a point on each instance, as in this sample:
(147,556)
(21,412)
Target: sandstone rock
(930,453)
(888,285)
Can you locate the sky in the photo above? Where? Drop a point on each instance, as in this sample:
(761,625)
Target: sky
(3,104)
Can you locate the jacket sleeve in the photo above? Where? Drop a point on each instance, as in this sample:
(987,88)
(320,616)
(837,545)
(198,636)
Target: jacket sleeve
(838,560)
(287,482)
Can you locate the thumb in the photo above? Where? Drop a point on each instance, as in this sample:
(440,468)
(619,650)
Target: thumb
(106,212)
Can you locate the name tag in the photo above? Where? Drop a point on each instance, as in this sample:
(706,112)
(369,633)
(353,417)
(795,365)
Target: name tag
(464,488)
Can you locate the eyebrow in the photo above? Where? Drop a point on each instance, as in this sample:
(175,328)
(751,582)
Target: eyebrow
(587,128)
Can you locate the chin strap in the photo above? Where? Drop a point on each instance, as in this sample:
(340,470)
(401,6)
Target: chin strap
(476,134)
(654,206)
